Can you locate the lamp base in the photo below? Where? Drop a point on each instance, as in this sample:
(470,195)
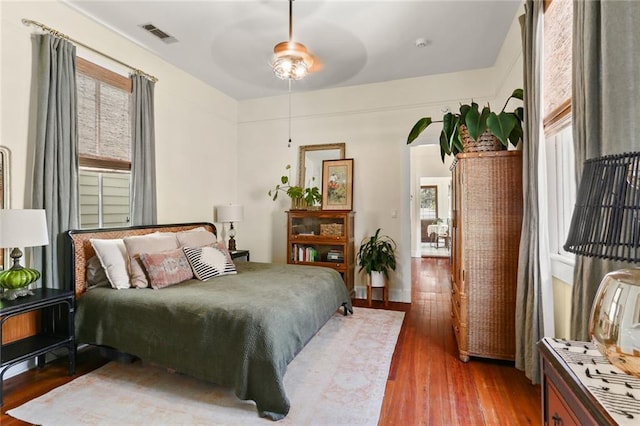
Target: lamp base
(18,277)
(232,244)
(615,323)
(13,294)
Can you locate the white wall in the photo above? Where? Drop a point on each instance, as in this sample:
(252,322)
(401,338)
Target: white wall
(195,123)
(374,121)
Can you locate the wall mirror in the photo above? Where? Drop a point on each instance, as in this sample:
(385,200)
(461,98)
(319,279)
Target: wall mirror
(4,194)
(310,162)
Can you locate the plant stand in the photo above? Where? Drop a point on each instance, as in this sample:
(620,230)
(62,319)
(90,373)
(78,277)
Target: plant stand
(384,287)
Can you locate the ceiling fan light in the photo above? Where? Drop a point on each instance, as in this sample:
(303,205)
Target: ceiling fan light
(301,71)
(291,60)
(290,67)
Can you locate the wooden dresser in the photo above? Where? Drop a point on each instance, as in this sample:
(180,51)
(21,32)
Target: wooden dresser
(323,238)
(487,221)
(581,387)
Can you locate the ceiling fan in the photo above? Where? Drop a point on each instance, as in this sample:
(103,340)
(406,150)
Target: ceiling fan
(291,59)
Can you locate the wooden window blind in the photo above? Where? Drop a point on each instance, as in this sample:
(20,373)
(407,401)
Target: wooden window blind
(557,63)
(104,117)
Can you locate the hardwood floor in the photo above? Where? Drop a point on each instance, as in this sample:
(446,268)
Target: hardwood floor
(427,385)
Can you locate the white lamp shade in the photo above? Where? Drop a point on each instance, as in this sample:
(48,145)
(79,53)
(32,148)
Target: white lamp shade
(230,213)
(23,228)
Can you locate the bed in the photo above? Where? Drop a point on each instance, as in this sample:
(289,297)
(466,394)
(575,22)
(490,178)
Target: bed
(238,330)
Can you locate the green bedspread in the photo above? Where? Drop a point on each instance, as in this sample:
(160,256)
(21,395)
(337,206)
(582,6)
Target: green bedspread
(236,330)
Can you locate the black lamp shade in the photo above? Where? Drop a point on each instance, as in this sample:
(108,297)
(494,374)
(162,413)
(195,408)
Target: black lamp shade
(606,224)
(606,219)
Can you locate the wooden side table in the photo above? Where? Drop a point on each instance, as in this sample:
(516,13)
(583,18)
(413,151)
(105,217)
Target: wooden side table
(54,333)
(239,254)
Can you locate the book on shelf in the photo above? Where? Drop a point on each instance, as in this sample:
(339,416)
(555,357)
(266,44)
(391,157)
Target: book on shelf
(302,253)
(310,254)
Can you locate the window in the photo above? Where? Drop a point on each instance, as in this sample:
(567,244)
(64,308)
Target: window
(428,202)
(104,198)
(562,197)
(558,132)
(104,144)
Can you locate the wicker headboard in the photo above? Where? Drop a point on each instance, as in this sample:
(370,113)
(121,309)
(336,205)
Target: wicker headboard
(78,248)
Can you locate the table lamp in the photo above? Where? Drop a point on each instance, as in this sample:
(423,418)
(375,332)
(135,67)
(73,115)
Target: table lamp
(606,225)
(230,213)
(20,228)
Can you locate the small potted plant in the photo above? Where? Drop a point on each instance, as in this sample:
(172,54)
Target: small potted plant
(478,130)
(376,256)
(301,198)
(312,197)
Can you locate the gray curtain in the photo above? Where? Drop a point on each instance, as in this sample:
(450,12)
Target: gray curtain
(143,156)
(55,177)
(529,316)
(606,113)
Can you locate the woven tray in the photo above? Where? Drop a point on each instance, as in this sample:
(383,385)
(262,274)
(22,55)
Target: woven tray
(331,229)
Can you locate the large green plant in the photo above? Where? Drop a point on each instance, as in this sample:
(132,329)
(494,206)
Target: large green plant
(377,253)
(311,196)
(506,126)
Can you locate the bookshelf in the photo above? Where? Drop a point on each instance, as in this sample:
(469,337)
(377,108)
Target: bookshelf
(322,238)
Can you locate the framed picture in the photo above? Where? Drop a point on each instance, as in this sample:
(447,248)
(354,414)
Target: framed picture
(337,184)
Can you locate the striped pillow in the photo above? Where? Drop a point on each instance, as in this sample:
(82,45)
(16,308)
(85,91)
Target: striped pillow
(209,262)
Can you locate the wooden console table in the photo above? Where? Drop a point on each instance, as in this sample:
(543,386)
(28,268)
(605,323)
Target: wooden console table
(581,387)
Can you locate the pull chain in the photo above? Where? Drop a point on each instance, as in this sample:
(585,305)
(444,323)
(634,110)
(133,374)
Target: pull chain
(289,146)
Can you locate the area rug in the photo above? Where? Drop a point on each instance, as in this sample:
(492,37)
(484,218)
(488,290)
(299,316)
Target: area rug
(337,379)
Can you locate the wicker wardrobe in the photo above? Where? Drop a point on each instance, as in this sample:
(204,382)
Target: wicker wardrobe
(487,220)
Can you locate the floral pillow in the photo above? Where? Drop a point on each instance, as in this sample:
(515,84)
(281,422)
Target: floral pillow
(166,268)
(150,243)
(209,262)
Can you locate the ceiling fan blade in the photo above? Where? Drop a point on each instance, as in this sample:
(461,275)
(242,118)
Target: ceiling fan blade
(317,64)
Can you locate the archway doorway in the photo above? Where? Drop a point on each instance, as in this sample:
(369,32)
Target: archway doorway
(430,195)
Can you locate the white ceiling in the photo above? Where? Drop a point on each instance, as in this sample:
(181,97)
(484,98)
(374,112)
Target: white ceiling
(229,44)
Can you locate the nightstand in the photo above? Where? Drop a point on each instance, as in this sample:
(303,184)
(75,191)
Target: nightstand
(56,328)
(239,254)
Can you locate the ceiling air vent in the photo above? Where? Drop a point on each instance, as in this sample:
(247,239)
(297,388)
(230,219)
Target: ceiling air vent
(159,33)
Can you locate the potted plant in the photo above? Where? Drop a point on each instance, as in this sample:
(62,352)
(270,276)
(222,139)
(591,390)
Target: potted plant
(471,125)
(376,256)
(300,197)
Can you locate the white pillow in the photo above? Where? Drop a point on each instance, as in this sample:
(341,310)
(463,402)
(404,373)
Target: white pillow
(197,237)
(113,258)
